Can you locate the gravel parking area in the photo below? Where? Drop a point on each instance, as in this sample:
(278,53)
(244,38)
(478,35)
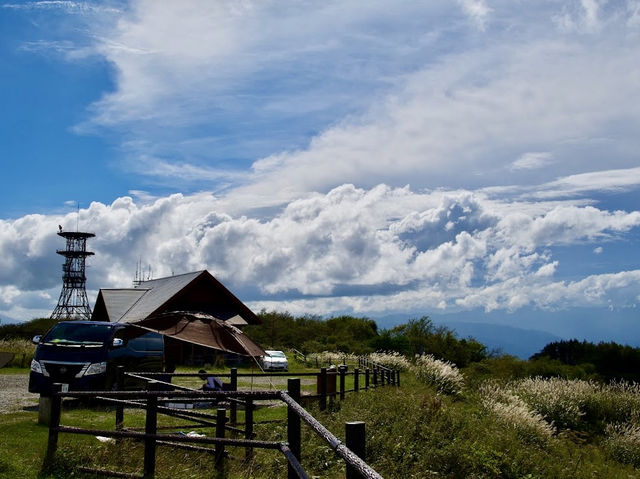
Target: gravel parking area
(14,394)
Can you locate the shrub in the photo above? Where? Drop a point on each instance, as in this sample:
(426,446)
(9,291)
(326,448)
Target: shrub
(559,401)
(618,402)
(391,360)
(623,443)
(446,378)
(22,348)
(577,404)
(513,412)
(332,357)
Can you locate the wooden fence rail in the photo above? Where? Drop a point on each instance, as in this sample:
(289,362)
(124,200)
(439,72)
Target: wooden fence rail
(352,453)
(330,382)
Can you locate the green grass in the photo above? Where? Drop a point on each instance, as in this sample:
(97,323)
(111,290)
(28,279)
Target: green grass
(11,370)
(412,432)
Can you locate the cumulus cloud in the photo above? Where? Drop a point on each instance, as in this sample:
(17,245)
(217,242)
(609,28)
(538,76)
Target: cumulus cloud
(351,249)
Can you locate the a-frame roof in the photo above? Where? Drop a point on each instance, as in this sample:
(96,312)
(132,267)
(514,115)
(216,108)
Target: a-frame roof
(117,302)
(198,291)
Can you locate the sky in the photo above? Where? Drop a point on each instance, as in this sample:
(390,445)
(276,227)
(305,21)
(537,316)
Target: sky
(470,159)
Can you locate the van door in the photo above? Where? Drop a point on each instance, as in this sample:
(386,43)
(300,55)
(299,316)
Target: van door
(141,351)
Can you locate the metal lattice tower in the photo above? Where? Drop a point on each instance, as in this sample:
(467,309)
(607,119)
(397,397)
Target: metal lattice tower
(73,302)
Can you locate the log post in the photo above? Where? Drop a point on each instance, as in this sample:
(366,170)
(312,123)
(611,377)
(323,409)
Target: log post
(248,425)
(294,437)
(233,386)
(221,419)
(356,379)
(150,428)
(323,389)
(356,441)
(119,386)
(55,406)
(343,371)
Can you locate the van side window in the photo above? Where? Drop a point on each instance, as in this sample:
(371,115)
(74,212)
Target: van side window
(139,340)
(147,342)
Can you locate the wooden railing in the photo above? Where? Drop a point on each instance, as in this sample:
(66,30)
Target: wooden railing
(330,383)
(152,401)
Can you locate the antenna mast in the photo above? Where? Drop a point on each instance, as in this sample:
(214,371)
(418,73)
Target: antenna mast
(73,302)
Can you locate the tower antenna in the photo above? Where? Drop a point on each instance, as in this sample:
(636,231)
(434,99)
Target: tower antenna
(73,302)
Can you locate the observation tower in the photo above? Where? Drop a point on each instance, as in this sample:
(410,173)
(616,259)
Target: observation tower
(73,302)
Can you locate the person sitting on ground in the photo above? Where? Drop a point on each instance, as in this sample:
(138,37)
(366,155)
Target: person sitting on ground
(211,383)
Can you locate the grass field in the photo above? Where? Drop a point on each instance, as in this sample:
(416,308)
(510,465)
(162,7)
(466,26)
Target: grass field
(484,427)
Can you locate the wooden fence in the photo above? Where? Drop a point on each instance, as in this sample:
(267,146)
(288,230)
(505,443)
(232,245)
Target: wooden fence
(154,401)
(330,383)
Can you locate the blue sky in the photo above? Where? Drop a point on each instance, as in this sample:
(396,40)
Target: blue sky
(473,158)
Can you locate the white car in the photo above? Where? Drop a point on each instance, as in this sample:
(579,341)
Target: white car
(274,361)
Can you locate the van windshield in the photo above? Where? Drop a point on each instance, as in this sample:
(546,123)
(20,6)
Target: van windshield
(78,334)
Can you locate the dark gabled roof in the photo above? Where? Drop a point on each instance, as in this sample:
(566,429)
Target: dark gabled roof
(156,296)
(157,293)
(116,302)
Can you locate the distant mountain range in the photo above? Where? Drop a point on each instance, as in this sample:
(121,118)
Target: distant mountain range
(526,332)
(519,342)
(504,339)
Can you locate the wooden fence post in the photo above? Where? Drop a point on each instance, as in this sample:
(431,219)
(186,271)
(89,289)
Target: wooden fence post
(233,386)
(293,425)
(221,419)
(382,374)
(355,439)
(150,428)
(54,421)
(119,407)
(398,377)
(248,425)
(356,379)
(366,378)
(375,377)
(323,389)
(343,371)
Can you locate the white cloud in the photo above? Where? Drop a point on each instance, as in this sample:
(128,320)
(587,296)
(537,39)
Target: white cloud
(531,160)
(445,129)
(606,180)
(67,6)
(477,10)
(391,98)
(351,249)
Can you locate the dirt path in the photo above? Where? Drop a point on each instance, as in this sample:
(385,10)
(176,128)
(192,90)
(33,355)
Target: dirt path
(14,394)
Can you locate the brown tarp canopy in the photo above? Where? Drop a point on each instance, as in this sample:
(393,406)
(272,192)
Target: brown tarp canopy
(202,329)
